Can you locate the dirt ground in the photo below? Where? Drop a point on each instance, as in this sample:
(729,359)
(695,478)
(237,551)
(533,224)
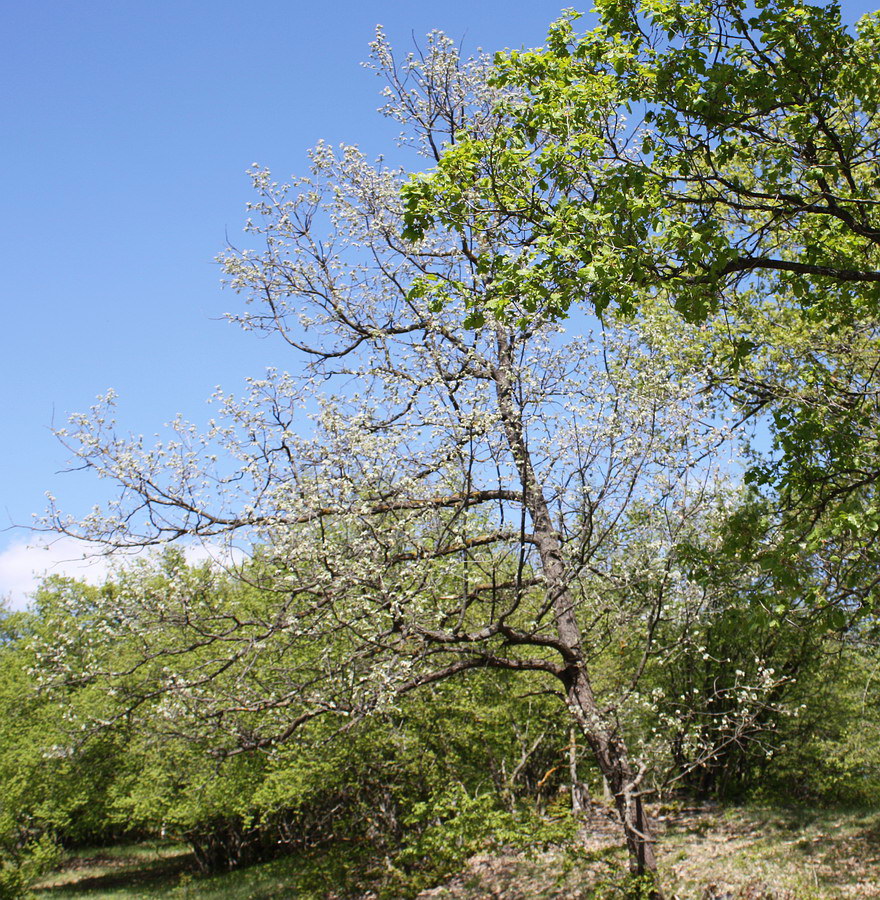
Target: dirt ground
(705,853)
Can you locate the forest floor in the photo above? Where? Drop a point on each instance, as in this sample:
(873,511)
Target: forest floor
(751,853)
(704,854)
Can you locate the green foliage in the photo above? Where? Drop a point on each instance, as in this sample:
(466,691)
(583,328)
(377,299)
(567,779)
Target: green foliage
(461,767)
(829,753)
(56,785)
(722,159)
(460,764)
(18,872)
(12,883)
(624,886)
(372,784)
(451,825)
(446,828)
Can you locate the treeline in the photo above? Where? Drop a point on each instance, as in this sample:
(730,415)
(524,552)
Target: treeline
(97,747)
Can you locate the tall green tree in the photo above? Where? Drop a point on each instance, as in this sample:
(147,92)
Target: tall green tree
(718,157)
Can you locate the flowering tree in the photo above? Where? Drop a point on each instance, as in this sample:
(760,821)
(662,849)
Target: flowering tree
(428,499)
(723,155)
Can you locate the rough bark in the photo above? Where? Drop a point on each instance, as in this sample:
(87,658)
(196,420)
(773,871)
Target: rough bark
(599,730)
(580,795)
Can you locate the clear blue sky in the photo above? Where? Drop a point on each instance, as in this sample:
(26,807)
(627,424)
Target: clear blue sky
(127,128)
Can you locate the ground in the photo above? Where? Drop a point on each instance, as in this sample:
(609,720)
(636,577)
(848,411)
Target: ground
(706,853)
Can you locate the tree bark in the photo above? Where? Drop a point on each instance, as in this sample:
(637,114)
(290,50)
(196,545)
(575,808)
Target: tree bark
(600,732)
(580,795)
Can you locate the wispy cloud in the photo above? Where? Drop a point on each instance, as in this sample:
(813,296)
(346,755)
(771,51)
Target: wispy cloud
(25,563)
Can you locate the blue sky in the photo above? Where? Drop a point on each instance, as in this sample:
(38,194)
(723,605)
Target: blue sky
(127,128)
(127,131)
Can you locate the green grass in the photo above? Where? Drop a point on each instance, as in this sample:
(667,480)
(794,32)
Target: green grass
(743,853)
(124,871)
(146,871)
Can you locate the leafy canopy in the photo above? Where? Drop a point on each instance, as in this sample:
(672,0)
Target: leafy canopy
(720,158)
(680,148)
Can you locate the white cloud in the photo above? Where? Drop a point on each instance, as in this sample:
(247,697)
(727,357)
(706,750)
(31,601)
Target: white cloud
(24,564)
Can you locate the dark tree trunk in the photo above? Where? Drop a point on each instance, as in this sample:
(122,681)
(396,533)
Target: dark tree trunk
(610,754)
(599,730)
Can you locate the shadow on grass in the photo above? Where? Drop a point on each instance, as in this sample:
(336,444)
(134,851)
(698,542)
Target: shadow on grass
(141,873)
(126,874)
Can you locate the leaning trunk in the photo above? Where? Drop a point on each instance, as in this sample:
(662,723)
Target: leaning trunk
(610,754)
(600,732)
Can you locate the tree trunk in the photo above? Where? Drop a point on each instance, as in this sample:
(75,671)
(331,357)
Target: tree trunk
(609,752)
(598,729)
(580,795)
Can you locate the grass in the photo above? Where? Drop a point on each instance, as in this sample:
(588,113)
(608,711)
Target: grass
(789,854)
(750,853)
(147,871)
(124,871)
